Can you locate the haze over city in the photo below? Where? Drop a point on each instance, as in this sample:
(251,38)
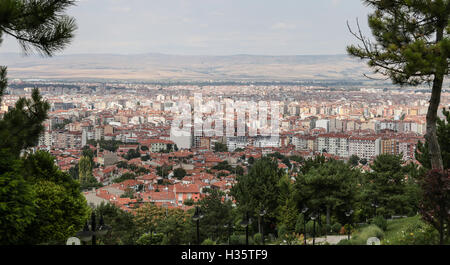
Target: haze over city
(219,27)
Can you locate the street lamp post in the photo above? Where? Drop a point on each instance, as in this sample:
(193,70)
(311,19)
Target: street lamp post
(197,216)
(304,210)
(375,206)
(90,232)
(348,214)
(314,217)
(262,213)
(245,223)
(228,226)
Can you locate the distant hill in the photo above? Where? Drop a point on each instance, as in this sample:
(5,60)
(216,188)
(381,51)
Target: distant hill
(181,67)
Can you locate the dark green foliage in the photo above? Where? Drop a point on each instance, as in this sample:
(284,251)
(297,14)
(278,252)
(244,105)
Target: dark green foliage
(435,204)
(110,145)
(21,126)
(380,222)
(216,214)
(220,147)
(132,154)
(163,171)
(17,206)
(327,186)
(239,170)
(39,203)
(150,239)
(259,188)
(223,166)
(123,230)
(179,173)
(387,186)
(125,176)
(443,133)
(51,199)
(353,160)
(144,148)
(145,158)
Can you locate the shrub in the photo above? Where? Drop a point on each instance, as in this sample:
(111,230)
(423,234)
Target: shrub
(148,239)
(336,228)
(414,233)
(208,242)
(240,240)
(257,238)
(380,222)
(361,237)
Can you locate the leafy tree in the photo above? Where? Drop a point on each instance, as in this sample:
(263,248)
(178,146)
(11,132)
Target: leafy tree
(216,213)
(176,227)
(220,147)
(17,206)
(132,153)
(179,173)
(149,239)
(328,187)
(61,209)
(31,184)
(148,218)
(84,171)
(287,208)
(387,186)
(411,47)
(435,205)
(124,230)
(239,170)
(353,160)
(443,134)
(124,177)
(363,161)
(145,158)
(129,193)
(224,165)
(163,171)
(259,188)
(110,145)
(60,215)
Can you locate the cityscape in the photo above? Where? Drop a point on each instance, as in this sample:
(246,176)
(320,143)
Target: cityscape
(165,149)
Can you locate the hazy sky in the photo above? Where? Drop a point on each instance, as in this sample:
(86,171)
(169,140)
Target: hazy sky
(212,27)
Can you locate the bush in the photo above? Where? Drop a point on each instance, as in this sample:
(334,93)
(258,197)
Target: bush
(148,239)
(208,242)
(257,238)
(336,228)
(240,240)
(380,222)
(414,232)
(366,233)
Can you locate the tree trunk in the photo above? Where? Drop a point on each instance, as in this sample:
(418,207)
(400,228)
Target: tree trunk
(328,215)
(431,136)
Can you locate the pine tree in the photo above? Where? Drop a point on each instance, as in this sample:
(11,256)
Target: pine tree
(411,47)
(41,26)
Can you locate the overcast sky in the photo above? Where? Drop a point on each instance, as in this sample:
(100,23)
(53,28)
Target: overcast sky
(212,27)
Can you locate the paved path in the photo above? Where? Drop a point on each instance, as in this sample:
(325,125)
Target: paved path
(332,240)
